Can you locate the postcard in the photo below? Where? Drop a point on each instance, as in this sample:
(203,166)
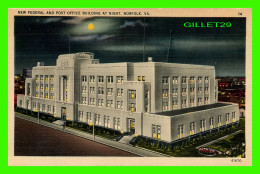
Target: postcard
(130,87)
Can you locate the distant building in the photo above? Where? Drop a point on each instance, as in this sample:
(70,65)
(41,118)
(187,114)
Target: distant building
(163,101)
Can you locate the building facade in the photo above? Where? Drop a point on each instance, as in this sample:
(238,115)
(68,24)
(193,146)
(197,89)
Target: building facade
(165,101)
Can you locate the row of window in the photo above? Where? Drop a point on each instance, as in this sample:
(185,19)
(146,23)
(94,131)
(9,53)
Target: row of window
(202,124)
(184,103)
(46,86)
(109,79)
(175,79)
(184,91)
(110,91)
(45,77)
(46,95)
(110,103)
(88,118)
(42,107)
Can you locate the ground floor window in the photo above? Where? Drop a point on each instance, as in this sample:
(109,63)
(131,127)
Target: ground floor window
(202,125)
(192,128)
(180,131)
(233,116)
(219,120)
(211,122)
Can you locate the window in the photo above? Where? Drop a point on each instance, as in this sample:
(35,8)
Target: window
(89,116)
(110,103)
(51,96)
(202,125)
(84,100)
(119,104)
(84,78)
(92,90)
(206,90)
(174,104)
(100,78)
(192,80)
(227,118)
(92,78)
(165,79)
(165,106)
(180,132)
(206,79)
(211,123)
(165,92)
(118,123)
(43,107)
(109,91)
(132,94)
(219,120)
(192,128)
(233,116)
(184,91)
(192,90)
(143,78)
(132,107)
(100,102)
(110,79)
(119,92)
(53,109)
(51,78)
(41,94)
(154,131)
(192,102)
(46,86)
(46,78)
(92,101)
(46,95)
(36,77)
(52,87)
(199,79)
(184,103)
(21,103)
(174,92)
(41,77)
(84,89)
(100,90)
(120,79)
(139,78)
(174,80)
(206,100)
(158,132)
(199,90)
(199,101)
(41,85)
(184,79)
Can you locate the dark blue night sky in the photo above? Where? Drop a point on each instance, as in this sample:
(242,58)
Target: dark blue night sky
(122,40)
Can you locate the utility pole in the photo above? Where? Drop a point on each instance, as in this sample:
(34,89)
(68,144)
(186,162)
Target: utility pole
(170,43)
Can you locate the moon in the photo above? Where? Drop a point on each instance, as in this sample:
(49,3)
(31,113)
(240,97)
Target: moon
(91,26)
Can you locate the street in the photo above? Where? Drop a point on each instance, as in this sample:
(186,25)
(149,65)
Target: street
(32,139)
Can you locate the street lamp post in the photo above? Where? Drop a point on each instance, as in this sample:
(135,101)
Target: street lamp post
(38,113)
(94,128)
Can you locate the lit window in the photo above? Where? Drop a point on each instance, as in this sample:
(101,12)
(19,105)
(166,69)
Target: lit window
(139,78)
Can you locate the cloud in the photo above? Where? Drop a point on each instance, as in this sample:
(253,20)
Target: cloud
(49,20)
(132,24)
(91,37)
(75,20)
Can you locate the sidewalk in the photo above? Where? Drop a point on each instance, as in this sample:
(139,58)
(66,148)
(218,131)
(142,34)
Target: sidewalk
(136,150)
(219,139)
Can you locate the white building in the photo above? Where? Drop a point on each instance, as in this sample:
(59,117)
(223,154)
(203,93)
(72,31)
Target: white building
(165,101)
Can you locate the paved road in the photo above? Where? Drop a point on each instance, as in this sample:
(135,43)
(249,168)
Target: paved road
(32,139)
(134,150)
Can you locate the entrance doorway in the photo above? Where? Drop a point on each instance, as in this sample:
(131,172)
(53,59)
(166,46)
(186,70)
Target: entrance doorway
(131,126)
(63,113)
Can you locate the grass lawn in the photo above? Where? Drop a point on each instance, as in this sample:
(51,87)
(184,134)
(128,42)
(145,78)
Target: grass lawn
(226,144)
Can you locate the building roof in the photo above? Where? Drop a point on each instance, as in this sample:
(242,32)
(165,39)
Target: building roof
(192,109)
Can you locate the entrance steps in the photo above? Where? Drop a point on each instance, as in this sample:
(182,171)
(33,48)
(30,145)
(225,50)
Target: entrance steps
(126,139)
(58,122)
